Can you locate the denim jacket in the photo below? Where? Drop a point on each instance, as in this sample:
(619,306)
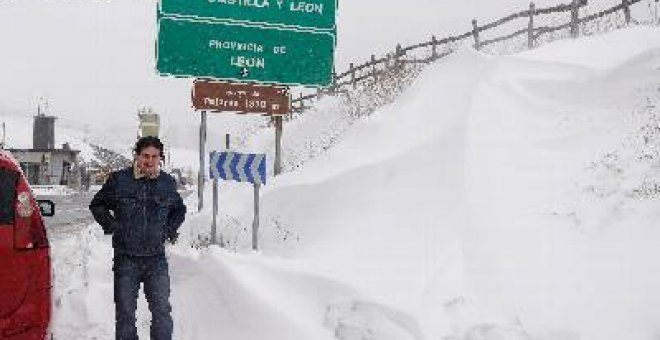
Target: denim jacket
(140,213)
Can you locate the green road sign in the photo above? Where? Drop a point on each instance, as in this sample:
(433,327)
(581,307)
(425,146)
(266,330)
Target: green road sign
(189,48)
(314,14)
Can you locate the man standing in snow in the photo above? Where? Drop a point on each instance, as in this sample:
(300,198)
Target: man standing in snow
(141,208)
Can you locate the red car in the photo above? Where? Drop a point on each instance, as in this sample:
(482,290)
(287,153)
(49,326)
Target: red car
(25,268)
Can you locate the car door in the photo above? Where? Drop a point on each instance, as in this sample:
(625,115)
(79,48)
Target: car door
(15,266)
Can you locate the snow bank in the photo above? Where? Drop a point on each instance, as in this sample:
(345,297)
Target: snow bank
(497,199)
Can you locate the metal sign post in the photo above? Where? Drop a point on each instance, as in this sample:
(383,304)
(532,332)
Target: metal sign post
(278,145)
(214,224)
(2,145)
(202,148)
(255,222)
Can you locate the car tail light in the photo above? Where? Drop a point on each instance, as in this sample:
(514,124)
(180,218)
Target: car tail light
(29,231)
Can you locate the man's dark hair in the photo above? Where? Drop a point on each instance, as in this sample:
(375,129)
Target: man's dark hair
(148,141)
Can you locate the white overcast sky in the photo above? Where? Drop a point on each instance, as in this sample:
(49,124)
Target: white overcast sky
(94,60)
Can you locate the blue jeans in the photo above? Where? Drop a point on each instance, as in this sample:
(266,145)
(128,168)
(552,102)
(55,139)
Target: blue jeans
(153,271)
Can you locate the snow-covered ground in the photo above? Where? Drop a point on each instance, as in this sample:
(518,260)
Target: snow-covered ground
(52,190)
(508,197)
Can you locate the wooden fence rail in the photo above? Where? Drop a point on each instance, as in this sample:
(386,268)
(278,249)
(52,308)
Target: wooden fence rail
(397,59)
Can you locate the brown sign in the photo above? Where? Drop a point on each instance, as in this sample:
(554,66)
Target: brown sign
(242,98)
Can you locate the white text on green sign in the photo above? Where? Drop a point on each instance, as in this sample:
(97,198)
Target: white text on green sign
(245,53)
(310,14)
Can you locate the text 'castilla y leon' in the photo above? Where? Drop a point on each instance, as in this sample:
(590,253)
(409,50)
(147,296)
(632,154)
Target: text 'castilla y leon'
(294,6)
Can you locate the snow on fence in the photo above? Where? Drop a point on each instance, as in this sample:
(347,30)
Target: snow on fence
(408,59)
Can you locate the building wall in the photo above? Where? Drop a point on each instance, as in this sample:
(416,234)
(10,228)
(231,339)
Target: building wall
(43,136)
(50,166)
(149,124)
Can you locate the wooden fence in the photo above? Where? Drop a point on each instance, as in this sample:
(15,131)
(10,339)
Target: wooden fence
(396,61)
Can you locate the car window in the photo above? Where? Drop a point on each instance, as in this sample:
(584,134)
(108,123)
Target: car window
(8,181)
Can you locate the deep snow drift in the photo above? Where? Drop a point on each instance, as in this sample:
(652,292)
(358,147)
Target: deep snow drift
(499,198)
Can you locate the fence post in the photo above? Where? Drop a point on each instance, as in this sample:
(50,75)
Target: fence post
(352,71)
(333,86)
(434,48)
(575,6)
(626,10)
(302,102)
(397,55)
(475,34)
(530,28)
(373,68)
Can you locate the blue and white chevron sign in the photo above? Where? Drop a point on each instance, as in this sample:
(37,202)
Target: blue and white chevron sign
(240,167)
